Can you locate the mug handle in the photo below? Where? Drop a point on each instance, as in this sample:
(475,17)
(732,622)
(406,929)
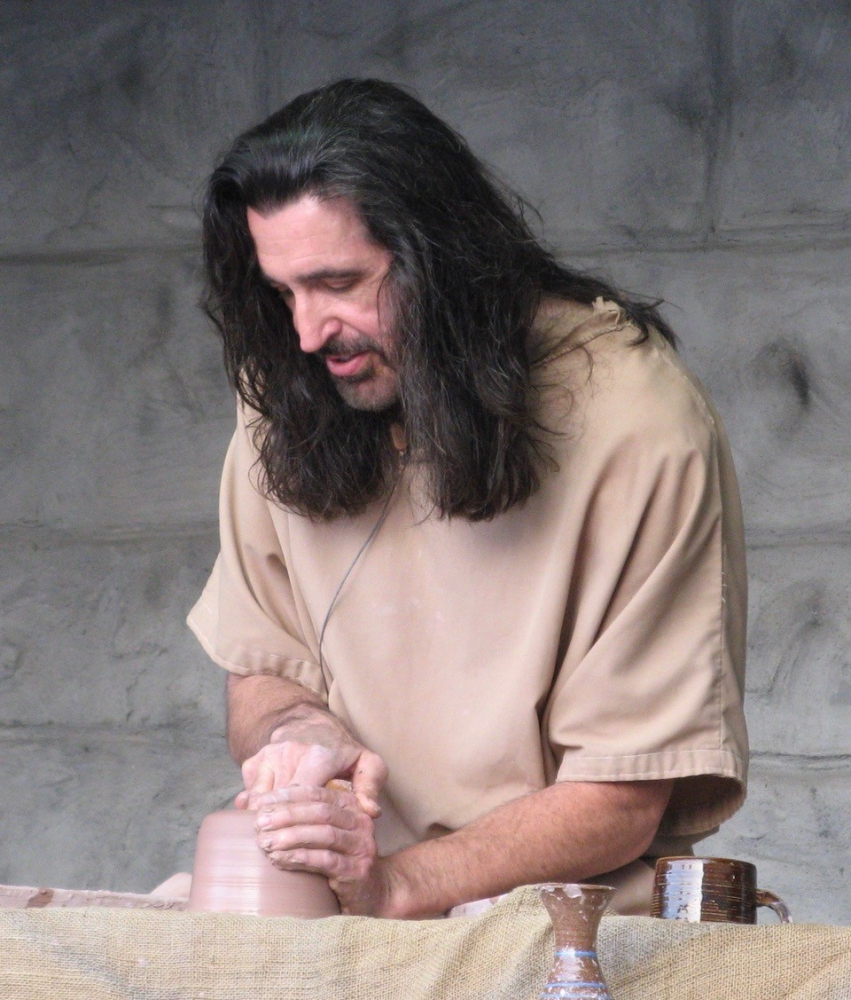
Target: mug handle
(766,898)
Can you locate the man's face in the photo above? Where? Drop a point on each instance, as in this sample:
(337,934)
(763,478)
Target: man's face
(329,272)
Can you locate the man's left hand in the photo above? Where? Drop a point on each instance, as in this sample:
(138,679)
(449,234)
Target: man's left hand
(325,830)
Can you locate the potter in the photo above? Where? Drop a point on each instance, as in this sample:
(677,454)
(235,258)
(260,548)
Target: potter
(473,522)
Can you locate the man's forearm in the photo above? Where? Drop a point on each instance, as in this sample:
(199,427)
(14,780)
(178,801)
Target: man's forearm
(568,832)
(259,704)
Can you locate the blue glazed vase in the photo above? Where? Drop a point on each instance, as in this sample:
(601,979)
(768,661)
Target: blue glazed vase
(575,912)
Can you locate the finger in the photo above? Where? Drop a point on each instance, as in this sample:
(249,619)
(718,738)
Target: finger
(264,783)
(327,863)
(249,770)
(336,793)
(313,813)
(368,779)
(253,768)
(353,843)
(295,809)
(264,779)
(272,766)
(295,793)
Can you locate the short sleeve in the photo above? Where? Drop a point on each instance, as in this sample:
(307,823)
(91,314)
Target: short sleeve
(248,619)
(651,680)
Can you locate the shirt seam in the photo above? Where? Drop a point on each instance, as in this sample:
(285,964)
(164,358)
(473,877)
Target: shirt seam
(718,659)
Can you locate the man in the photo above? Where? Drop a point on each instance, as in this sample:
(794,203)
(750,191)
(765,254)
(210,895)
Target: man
(481,541)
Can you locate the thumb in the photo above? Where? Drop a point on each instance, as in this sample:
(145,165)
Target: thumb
(368,779)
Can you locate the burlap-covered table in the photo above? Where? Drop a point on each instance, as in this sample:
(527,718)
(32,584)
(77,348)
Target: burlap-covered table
(101,954)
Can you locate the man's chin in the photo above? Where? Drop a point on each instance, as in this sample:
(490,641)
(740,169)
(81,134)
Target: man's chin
(370,394)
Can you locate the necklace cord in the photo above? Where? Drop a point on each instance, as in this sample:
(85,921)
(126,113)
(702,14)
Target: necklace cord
(382,517)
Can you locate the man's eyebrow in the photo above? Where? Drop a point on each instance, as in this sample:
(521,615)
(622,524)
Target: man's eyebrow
(321,274)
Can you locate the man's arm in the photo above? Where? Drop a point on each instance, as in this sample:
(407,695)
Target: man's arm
(290,745)
(281,734)
(567,832)
(257,705)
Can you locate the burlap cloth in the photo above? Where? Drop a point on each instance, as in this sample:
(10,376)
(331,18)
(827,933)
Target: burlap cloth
(95,954)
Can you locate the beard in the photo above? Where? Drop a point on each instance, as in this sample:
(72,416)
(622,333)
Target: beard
(374,387)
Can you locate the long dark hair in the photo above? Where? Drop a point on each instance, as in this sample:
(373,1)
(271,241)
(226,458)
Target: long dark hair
(466,281)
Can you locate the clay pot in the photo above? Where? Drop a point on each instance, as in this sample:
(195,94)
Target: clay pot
(232,874)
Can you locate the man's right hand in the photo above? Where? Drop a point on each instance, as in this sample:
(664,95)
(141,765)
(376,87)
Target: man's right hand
(310,752)
(282,734)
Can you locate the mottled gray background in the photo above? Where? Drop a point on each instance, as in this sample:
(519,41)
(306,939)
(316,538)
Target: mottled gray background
(694,150)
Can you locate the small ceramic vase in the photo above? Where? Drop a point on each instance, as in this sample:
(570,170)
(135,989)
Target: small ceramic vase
(575,912)
(232,874)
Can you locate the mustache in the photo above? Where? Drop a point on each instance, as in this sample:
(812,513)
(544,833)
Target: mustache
(339,347)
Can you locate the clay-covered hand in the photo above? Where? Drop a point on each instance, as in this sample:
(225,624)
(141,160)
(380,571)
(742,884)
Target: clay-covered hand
(325,830)
(309,752)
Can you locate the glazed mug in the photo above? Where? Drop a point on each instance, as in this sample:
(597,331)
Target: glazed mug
(715,890)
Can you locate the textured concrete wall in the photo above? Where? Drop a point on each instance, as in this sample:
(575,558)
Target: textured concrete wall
(696,151)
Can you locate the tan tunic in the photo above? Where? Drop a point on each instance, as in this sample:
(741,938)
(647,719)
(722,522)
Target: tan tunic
(594,634)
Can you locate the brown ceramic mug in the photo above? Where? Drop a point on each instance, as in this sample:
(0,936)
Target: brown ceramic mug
(232,874)
(716,890)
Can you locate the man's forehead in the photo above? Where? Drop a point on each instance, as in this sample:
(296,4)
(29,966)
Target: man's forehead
(312,235)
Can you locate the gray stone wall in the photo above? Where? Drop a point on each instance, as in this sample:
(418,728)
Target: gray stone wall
(696,151)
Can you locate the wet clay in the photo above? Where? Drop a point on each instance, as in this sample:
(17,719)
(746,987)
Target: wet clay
(25,897)
(232,874)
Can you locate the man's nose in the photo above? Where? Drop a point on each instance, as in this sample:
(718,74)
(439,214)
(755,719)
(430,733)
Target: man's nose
(314,325)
